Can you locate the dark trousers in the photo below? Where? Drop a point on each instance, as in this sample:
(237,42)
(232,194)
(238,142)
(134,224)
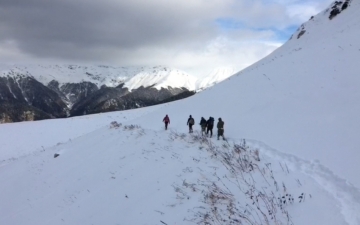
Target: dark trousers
(166,125)
(190,128)
(221,133)
(209,128)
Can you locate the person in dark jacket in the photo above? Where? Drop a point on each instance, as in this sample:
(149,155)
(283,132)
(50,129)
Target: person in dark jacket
(166,120)
(210,126)
(190,123)
(203,125)
(220,127)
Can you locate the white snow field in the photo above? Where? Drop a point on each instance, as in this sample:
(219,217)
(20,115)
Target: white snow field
(291,155)
(21,139)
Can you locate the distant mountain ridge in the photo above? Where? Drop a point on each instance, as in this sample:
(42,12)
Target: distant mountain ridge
(72,90)
(131,77)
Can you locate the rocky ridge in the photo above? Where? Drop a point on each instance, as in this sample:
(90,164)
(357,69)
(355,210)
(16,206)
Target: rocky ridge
(35,92)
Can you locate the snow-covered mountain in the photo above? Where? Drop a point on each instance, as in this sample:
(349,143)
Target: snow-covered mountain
(291,155)
(33,92)
(132,77)
(216,76)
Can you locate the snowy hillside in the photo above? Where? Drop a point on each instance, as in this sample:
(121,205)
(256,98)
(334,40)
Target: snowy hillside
(302,99)
(291,155)
(163,79)
(219,74)
(124,174)
(133,77)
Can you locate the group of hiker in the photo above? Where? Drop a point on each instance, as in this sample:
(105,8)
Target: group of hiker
(206,126)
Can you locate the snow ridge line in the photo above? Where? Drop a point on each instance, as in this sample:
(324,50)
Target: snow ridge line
(347,194)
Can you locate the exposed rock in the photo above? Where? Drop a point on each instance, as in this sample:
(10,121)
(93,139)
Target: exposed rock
(182,95)
(16,112)
(301,33)
(23,91)
(94,103)
(111,99)
(23,98)
(78,92)
(337,7)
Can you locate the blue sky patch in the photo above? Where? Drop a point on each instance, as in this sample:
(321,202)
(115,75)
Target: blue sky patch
(229,24)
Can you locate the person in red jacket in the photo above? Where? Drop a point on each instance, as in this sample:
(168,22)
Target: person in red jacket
(166,120)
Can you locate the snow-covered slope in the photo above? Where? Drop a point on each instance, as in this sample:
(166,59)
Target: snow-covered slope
(302,99)
(21,139)
(218,75)
(298,108)
(133,77)
(163,78)
(131,175)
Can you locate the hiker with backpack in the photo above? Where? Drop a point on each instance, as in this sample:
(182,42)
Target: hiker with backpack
(203,125)
(166,120)
(190,123)
(210,126)
(220,127)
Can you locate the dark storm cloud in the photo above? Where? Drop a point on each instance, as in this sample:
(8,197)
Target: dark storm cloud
(89,29)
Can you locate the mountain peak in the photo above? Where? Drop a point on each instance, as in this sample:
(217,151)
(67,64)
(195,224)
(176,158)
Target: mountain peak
(319,24)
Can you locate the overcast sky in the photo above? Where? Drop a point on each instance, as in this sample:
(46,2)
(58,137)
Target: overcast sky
(192,35)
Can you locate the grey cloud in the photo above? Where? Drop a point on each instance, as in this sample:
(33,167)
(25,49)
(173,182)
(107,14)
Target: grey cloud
(141,32)
(78,29)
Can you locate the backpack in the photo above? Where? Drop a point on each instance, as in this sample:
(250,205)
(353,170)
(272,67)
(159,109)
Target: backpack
(191,121)
(220,124)
(211,121)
